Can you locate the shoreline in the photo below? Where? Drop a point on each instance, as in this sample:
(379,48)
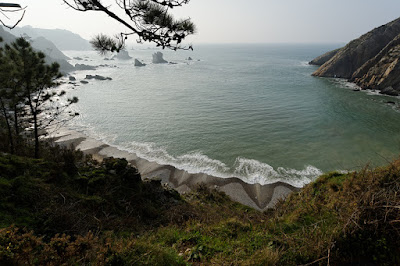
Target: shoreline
(257,196)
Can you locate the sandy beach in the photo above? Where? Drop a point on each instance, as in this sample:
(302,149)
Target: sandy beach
(260,197)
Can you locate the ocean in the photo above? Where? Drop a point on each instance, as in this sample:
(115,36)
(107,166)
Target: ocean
(249,111)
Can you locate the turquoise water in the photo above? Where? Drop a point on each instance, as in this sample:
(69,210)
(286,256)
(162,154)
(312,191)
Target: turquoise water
(251,111)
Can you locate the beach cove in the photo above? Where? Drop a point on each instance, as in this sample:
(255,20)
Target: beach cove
(257,196)
(235,113)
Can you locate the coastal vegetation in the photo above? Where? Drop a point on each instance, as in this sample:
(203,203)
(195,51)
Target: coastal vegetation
(61,207)
(29,102)
(66,208)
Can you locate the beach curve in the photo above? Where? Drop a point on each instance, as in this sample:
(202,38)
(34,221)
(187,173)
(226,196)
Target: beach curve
(257,196)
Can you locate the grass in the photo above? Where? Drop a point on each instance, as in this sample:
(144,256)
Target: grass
(67,209)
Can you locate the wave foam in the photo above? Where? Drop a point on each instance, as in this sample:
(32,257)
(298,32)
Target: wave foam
(194,162)
(253,171)
(249,170)
(305,64)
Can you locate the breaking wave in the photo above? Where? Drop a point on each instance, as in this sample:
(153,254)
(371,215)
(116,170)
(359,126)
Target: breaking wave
(249,170)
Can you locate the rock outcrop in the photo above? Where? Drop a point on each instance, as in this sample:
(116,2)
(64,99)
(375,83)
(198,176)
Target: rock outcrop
(122,55)
(383,71)
(84,67)
(138,63)
(355,54)
(322,59)
(97,77)
(158,58)
(371,61)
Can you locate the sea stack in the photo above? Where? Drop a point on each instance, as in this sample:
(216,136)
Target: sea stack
(122,55)
(158,58)
(138,63)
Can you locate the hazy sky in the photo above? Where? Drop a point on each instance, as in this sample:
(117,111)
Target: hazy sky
(234,21)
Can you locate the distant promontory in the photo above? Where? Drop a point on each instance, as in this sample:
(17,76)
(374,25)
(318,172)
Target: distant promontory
(371,61)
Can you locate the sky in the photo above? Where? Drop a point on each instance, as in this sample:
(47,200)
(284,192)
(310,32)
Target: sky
(236,21)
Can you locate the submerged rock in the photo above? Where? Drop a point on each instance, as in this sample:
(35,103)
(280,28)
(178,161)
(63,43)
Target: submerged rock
(84,82)
(97,77)
(138,63)
(390,91)
(158,58)
(71,78)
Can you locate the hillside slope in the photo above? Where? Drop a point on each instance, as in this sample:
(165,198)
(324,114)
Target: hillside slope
(63,39)
(86,213)
(53,54)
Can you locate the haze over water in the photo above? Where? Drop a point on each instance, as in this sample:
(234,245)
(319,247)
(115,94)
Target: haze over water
(252,111)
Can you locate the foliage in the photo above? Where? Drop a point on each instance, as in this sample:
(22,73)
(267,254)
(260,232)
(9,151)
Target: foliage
(150,20)
(28,98)
(69,209)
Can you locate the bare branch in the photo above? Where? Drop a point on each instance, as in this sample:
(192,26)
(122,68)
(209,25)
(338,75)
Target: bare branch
(3,11)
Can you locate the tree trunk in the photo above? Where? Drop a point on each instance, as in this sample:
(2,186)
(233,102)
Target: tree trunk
(36,134)
(16,128)
(8,126)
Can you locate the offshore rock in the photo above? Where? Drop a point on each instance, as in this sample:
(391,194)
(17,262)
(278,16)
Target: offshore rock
(355,54)
(138,63)
(97,77)
(122,55)
(158,58)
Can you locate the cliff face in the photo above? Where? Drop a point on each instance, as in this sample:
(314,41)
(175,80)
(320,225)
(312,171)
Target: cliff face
(322,59)
(349,59)
(383,71)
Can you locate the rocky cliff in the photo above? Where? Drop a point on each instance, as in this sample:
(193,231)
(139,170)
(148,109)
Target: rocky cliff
(322,59)
(383,71)
(354,58)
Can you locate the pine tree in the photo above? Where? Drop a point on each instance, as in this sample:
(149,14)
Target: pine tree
(149,20)
(29,89)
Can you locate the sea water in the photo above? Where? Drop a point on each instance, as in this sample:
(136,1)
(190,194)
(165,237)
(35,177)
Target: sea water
(250,111)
